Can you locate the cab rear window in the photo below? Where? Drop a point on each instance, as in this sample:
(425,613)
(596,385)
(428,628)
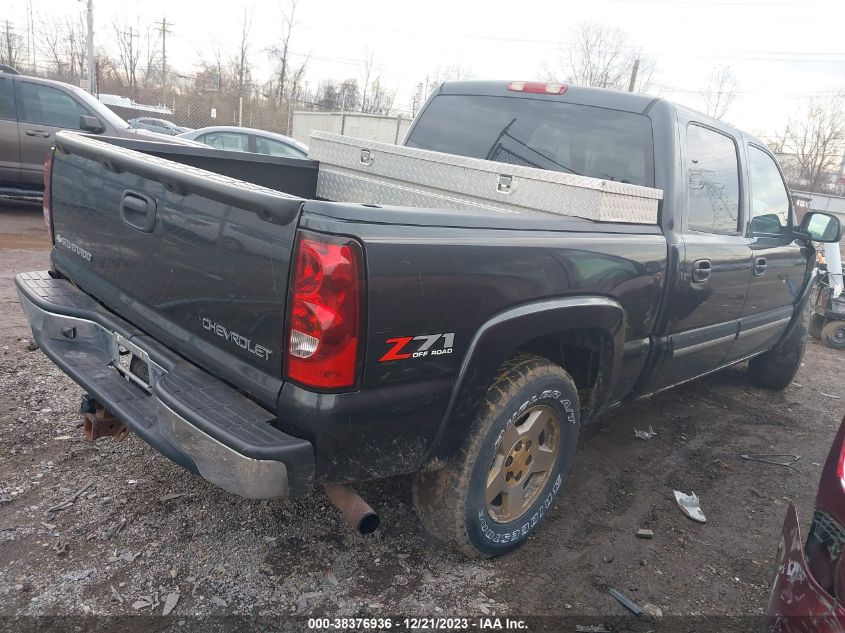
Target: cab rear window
(565,137)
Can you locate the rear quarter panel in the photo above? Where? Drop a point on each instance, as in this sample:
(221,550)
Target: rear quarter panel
(424,281)
(452,281)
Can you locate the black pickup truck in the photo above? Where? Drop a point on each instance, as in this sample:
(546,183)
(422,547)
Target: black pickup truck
(270,339)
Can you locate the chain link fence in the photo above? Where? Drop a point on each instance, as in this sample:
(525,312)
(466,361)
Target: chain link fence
(203,109)
(297,119)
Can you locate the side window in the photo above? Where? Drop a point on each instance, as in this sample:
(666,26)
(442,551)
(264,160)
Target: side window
(272,147)
(227,140)
(713,172)
(43,105)
(769,197)
(7,99)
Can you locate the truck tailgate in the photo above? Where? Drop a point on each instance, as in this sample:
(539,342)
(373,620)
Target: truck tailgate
(197,260)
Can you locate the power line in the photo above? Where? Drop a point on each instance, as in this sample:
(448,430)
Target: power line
(561,44)
(164,32)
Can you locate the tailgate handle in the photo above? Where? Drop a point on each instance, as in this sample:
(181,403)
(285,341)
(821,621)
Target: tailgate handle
(138,210)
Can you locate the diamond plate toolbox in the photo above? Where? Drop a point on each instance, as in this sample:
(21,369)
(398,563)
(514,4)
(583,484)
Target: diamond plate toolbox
(368,172)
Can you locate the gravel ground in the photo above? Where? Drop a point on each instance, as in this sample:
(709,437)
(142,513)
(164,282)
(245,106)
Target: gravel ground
(114,528)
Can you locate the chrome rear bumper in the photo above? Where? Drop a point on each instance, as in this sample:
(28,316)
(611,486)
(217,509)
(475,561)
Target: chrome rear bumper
(188,415)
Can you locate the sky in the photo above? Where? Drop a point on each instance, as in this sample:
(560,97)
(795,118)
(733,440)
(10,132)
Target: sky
(782,52)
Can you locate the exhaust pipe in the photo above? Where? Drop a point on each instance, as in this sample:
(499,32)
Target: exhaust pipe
(357,511)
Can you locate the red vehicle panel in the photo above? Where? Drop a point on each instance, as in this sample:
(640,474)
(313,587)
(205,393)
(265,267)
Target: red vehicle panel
(809,586)
(797,603)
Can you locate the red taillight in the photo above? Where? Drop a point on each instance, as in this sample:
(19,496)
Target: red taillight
(324,317)
(537,87)
(48,194)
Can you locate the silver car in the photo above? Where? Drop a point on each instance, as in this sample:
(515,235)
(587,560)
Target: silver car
(244,139)
(160,126)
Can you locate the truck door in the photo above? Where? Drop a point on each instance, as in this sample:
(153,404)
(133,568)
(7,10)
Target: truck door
(706,302)
(779,264)
(10,149)
(42,111)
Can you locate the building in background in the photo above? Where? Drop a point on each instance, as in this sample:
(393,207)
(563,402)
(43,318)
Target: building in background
(385,129)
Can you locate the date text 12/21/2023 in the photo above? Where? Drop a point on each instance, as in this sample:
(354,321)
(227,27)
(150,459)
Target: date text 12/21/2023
(418,624)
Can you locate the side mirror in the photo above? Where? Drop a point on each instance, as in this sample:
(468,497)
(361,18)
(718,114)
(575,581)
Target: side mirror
(820,227)
(91,124)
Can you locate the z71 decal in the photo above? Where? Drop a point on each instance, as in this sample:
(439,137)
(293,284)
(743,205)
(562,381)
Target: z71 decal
(404,347)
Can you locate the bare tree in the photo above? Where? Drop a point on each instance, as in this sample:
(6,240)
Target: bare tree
(107,70)
(327,95)
(381,98)
(603,57)
(213,67)
(51,36)
(76,48)
(369,62)
(63,43)
(349,95)
(243,71)
(439,74)
(332,95)
(152,57)
(720,93)
(296,83)
(129,53)
(281,53)
(815,142)
(12,46)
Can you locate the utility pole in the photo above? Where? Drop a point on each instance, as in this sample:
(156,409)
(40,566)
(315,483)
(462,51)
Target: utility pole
(162,26)
(417,100)
(634,72)
(30,46)
(92,76)
(131,77)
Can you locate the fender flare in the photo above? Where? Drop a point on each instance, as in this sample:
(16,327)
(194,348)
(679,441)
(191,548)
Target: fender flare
(501,337)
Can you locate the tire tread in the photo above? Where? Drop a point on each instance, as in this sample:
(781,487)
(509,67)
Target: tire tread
(434,492)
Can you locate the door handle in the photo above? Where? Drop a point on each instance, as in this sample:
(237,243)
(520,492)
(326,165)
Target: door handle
(701,269)
(759,266)
(138,210)
(39,133)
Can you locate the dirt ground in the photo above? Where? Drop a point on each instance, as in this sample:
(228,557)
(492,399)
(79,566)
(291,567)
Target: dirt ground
(128,540)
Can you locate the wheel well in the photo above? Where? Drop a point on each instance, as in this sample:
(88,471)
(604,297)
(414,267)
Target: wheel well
(586,354)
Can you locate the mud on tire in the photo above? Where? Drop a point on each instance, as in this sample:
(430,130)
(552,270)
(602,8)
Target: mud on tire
(521,445)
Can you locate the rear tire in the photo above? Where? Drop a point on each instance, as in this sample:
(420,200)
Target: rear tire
(833,334)
(776,368)
(501,483)
(816,325)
